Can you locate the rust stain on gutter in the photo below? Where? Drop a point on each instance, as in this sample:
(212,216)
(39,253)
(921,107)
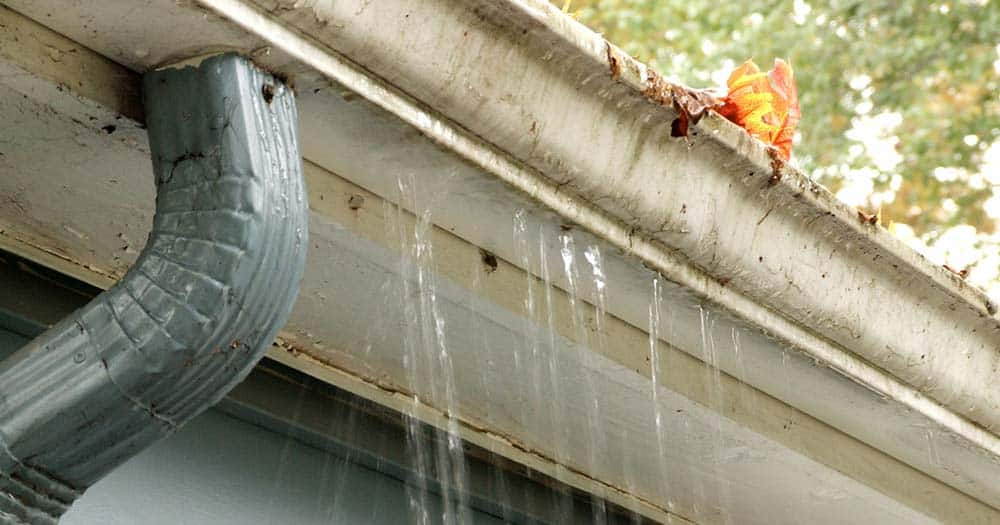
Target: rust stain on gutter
(613,61)
(777,165)
(623,67)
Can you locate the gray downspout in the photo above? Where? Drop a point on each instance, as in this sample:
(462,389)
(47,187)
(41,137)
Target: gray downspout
(198,309)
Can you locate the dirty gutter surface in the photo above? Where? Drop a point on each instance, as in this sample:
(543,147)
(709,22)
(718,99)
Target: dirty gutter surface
(851,369)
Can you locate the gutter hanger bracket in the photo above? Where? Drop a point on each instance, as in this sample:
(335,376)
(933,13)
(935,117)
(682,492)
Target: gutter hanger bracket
(204,301)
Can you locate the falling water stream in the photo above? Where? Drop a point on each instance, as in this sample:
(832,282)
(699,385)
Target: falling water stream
(539,334)
(710,355)
(559,425)
(662,440)
(549,363)
(438,492)
(427,362)
(595,442)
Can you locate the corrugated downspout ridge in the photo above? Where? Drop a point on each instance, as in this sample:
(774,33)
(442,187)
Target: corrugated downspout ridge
(199,308)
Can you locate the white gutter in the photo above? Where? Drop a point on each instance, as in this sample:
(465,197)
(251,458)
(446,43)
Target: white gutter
(877,345)
(630,240)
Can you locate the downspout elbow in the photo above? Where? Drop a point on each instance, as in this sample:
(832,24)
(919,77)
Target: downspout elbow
(203,302)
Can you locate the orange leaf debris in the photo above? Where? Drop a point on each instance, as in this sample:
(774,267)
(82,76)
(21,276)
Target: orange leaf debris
(764,104)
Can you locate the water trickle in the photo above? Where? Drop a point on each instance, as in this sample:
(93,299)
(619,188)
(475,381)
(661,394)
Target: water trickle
(932,453)
(599,343)
(418,492)
(784,371)
(654,369)
(341,488)
(745,387)
(279,476)
(566,251)
(593,255)
(429,370)
(715,400)
(530,331)
(595,441)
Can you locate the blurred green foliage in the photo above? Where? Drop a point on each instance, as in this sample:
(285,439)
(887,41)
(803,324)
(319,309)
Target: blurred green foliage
(932,62)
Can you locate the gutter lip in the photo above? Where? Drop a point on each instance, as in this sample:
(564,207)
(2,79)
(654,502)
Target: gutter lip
(629,71)
(316,55)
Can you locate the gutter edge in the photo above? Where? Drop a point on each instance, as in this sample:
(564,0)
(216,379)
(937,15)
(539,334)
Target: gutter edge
(576,210)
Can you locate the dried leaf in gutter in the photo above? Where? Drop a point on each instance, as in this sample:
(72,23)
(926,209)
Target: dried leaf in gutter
(961,273)
(764,104)
(690,104)
(875,218)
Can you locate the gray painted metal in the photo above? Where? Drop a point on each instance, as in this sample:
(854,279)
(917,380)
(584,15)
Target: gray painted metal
(202,304)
